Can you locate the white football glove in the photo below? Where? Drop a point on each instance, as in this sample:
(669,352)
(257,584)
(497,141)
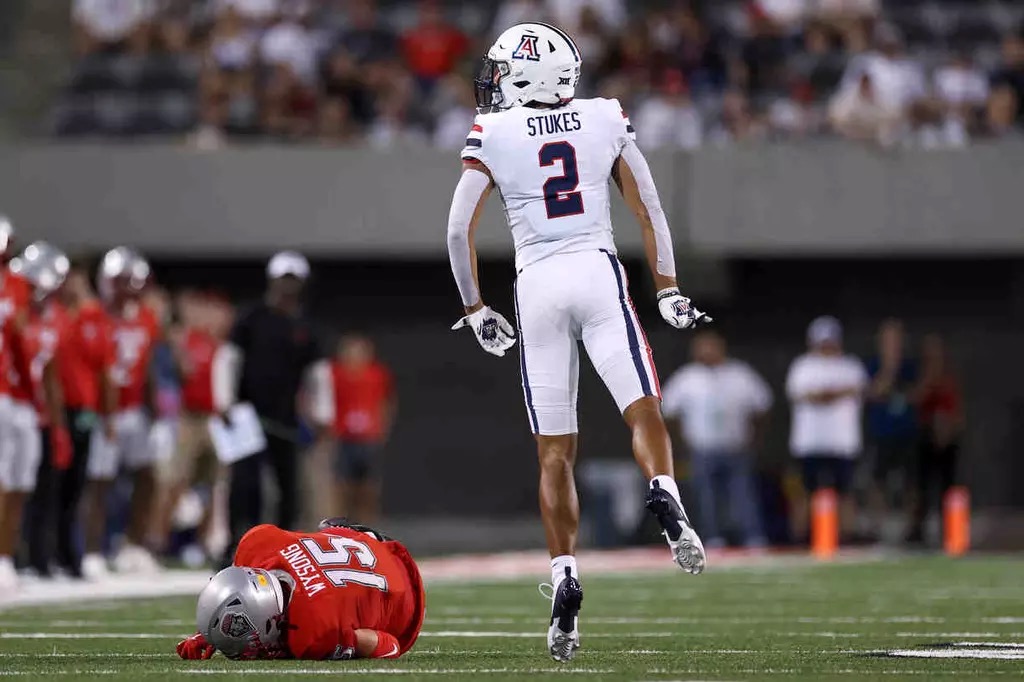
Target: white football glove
(492,330)
(677,311)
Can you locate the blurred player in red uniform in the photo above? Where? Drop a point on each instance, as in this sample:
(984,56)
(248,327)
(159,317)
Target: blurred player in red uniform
(84,357)
(44,445)
(19,437)
(134,329)
(344,592)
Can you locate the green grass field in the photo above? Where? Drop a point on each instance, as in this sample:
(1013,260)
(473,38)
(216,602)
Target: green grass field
(795,622)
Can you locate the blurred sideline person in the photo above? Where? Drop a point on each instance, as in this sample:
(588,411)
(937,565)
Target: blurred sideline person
(826,389)
(722,406)
(19,436)
(941,413)
(271,349)
(47,447)
(550,157)
(363,400)
(193,460)
(891,422)
(85,355)
(343,592)
(124,443)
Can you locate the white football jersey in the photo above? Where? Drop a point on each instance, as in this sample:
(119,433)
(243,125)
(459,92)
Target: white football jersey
(551,168)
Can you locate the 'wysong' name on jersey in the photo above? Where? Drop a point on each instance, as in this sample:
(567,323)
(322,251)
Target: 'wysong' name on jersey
(551,124)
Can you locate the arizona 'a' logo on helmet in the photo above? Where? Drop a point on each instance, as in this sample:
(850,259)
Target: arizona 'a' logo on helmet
(527,49)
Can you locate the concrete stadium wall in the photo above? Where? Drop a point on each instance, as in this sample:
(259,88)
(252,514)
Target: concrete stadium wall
(807,199)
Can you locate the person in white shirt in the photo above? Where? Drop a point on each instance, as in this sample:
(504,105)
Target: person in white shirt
(668,118)
(110,25)
(826,389)
(721,404)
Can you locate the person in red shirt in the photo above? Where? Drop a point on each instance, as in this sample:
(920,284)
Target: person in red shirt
(940,411)
(43,444)
(364,404)
(194,344)
(21,446)
(83,357)
(134,330)
(433,47)
(344,592)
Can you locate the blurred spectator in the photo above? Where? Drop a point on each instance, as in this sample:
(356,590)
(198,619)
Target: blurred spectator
(962,90)
(433,46)
(736,123)
(458,116)
(765,51)
(785,17)
(881,92)
(364,406)
(514,12)
(693,48)
(112,25)
(796,115)
(826,388)
(942,423)
(858,113)
(891,422)
(290,44)
(232,44)
(365,39)
(343,81)
(1005,105)
(722,404)
(334,122)
(566,14)
(668,118)
(256,13)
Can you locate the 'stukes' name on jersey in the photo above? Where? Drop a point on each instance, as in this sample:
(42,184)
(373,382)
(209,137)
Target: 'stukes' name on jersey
(549,124)
(305,570)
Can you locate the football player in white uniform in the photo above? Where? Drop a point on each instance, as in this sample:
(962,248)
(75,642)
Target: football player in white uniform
(550,157)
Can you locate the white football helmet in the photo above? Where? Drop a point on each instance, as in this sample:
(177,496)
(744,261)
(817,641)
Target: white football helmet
(530,62)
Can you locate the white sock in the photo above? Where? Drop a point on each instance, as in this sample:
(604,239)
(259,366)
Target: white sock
(668,484)
(558,565)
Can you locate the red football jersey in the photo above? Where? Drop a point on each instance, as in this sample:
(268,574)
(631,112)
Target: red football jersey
(84,352)
(344,580)
(134,330)
(197,385)
(15,294)
(42,338)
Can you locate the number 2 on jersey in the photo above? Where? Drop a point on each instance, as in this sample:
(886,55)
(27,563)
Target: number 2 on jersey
(560,196)
(343,552)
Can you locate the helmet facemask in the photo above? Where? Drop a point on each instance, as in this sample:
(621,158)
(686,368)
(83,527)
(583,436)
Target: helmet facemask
(487,84)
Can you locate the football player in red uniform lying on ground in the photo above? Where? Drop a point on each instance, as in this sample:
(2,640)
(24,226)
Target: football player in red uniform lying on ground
(343,592)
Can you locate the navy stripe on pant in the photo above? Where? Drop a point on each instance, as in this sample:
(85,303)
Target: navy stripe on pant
(522,364)
(634,341)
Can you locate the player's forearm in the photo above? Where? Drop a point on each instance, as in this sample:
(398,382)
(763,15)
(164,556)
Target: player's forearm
(462,218)
(640,192)
(53,396)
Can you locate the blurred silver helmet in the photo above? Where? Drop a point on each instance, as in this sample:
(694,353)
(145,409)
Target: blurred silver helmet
(6,235)
(122,265)
(240,612)
(44,266)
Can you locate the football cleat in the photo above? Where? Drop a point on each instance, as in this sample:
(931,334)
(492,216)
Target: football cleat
(563,635)
(687,549)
